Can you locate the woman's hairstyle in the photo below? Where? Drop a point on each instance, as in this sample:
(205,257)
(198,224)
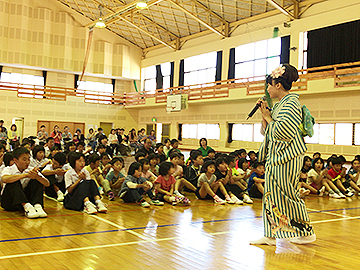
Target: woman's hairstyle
(241,162)
(37,149)
(60,157)
(152,131)
(165,167)
(286,79)
(134,167)
(166,141)
(91,129)
(116,159)
(206,165)
(321,160)
(203,139)
(56,126)
(317,153)
(13,125)
(73,157)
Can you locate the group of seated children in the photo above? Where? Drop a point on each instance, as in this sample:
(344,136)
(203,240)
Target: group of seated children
(333,179)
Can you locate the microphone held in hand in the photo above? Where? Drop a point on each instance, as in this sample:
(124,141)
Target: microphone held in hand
(257,106)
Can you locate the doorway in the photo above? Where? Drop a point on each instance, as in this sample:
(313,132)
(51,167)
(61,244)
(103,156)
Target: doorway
(106,127)
(19,122)
(165,132)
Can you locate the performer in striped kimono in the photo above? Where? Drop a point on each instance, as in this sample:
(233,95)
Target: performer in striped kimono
(283,148)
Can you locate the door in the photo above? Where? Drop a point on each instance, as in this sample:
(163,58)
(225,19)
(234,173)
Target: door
(19,122)
(165,132)
(106,127)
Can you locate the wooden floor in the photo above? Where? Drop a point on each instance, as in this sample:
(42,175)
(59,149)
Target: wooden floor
(201,236)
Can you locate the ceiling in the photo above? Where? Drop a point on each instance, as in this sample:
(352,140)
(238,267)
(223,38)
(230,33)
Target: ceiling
(171,23)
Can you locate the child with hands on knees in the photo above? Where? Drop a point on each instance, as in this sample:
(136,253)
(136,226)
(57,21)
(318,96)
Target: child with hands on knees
(352,176)
(82,190)
(23,186)
(257,180)
(134,187)
(208,185)
(115,177)
(178,175)
(55,172)
(337,175)
(165,185)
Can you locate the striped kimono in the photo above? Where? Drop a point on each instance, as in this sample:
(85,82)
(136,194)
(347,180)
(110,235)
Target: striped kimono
(283,148)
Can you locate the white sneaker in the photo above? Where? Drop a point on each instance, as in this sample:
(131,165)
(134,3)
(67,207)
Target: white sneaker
(303,192)
(264,241)
(303,239)
(237,201)
(89,208)
(30,212)
(247,199)
(335,195)
(229,200)
(60,196)
(348,193)
(40,210)
(101,191)
(101,208)
(218,200)
(321,191)
(177,193)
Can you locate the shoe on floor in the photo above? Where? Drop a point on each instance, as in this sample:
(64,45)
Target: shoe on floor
(335,196)
(30,212)
(237,201)
(60,196)
(90,208)
(145,204)
(321,191)
(247,199)
(348,193)
(100,206)
(229,200)
(40,211)
(303,239)
(264,241)
(156,202)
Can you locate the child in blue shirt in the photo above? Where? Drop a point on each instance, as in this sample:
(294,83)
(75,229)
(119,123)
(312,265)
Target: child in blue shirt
(257,180)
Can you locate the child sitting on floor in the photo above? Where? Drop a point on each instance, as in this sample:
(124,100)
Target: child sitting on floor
(208,185)
(38,158)
(82,191)
(154,167)
(352,177)
(165,185)
(115,176)
(146,173)
(55,172)
(244,170)
(257,180)
(23,186)
(134,187)
(337,176)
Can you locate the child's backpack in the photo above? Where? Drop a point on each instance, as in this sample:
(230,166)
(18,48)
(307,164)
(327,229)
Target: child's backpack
(308,121)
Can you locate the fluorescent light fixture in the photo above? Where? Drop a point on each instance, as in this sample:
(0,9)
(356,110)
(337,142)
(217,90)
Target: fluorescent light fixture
(141,4)
(100,23)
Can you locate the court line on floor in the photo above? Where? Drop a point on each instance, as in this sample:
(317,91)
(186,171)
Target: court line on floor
(325,212)
(133,243)
(121,228)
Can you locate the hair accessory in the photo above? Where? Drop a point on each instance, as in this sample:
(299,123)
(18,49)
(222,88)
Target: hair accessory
(278,72)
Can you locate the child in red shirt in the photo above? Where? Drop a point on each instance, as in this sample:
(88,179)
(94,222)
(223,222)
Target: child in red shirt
(337,174)
(165,185)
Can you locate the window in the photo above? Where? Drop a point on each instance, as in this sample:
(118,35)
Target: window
(166,73)
(303,45)
(33,85)
(198,131)
(150,79)
(96,92)
(343,133)
(315,137)
(200,69)
(257,59)
(357,134)
(242,132)
(258,137)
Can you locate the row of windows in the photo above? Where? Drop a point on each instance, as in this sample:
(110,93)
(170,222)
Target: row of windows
(92,88)
(331,134)
(251,60)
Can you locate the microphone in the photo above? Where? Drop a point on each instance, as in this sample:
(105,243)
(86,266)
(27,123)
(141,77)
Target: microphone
(257,106)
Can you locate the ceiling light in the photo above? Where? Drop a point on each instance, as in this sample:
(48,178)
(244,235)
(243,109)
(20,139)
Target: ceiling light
(100,23)
(141,4)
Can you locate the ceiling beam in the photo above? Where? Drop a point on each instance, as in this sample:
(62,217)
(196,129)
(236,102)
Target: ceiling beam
(196,18)
(282,9)
(306,4)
